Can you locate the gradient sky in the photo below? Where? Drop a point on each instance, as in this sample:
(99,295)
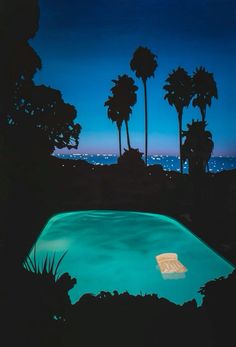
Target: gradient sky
(86,44)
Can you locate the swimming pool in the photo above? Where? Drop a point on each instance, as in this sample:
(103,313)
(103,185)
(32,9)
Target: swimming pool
(116,250)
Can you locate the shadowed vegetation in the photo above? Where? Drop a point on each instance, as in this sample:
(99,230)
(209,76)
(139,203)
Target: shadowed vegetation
(131,160)
(128,320)
(204,89)
(144,64)
(120,104)
(52,288)
(18,60)
(197,147)
(114,115)
(179,94)
(39,116)
(33,119)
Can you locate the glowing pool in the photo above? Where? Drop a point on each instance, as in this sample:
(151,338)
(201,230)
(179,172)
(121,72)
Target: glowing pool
(116,250)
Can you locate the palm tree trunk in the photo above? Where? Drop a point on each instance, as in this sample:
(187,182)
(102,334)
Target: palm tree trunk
(127,134)
(145,121)
(203,114)
(119,137)
(180,141)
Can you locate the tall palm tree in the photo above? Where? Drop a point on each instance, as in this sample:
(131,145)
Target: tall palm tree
(197,147)
(204,89)
(179,94)
(124,92)
(124,97)
(144,64)
(115,116)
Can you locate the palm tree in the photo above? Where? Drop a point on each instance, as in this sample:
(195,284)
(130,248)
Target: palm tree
(124,97)
(179,94)
(198,146)
(144,64)
(114,114)
(204,89)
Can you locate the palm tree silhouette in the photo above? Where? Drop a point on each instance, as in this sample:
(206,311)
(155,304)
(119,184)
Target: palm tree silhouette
(124,97)
(198,146)
(115,116)
(179,94)
(144,64)
(204,89)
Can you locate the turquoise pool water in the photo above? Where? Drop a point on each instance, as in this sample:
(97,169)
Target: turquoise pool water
(115,250)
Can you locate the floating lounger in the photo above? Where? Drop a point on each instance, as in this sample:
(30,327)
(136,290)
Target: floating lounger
(169,263)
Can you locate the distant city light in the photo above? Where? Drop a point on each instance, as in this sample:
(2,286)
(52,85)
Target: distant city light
(168,163)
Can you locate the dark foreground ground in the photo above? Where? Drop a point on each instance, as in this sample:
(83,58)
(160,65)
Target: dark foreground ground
(31,194)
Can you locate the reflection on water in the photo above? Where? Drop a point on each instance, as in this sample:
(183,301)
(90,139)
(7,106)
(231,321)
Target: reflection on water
(173,275)
(116,250)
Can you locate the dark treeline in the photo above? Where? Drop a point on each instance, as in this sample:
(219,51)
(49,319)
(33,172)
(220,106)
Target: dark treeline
(35,306)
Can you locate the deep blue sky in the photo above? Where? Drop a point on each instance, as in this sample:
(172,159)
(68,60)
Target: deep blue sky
(86,44)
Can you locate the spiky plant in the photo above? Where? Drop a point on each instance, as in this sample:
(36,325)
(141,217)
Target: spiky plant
(51,288)
(48,266)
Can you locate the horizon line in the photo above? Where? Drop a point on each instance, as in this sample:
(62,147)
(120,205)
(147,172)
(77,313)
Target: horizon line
(151,154)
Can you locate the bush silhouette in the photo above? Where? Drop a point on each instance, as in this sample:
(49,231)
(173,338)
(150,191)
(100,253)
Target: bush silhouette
(40,121)
(131,158)
(197,147)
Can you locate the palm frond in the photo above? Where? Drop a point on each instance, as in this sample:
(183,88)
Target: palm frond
(144,63)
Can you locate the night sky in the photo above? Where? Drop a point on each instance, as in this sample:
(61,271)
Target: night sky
(86,44)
